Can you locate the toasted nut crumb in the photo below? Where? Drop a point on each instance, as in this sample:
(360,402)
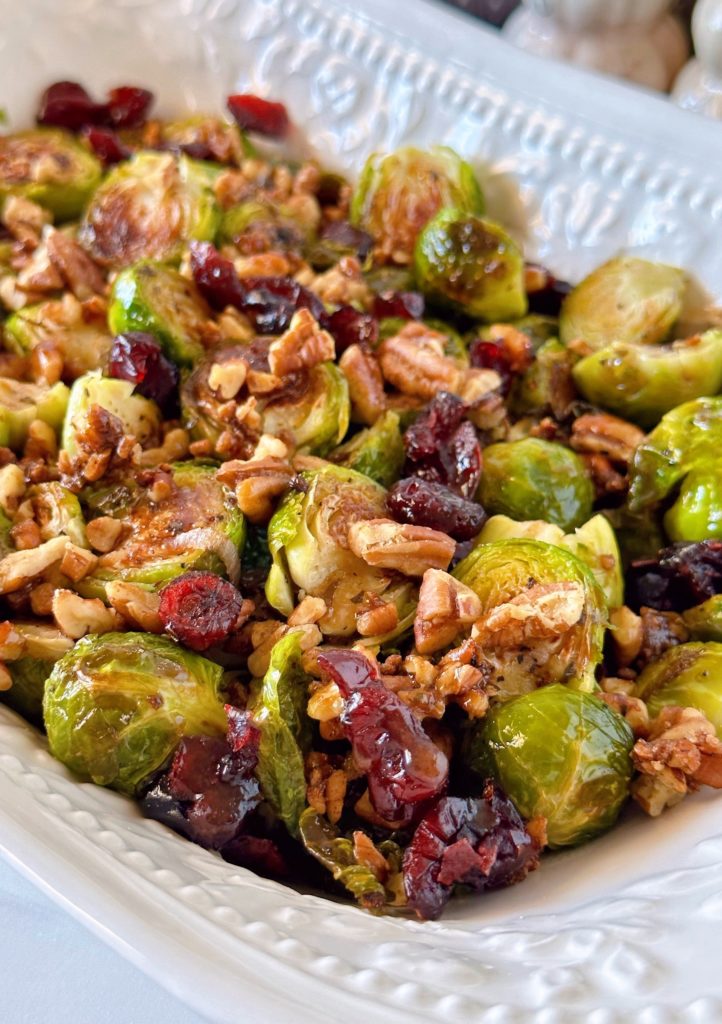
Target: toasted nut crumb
(74,265)
(234,326)
(343,285)
(41,599)
(376,616)
(302,346)
(25,534)
(626,631)
(365,383)
(228,377)
(325,702)
(19,567)
(12,487)
(77,562)
(42,442)
(77,616)
(24,219)
(631,708)
(175,446)
(139,607)
(103,533)
(445,607)
(540,612)
(311,609)
(411,550)
(201,449)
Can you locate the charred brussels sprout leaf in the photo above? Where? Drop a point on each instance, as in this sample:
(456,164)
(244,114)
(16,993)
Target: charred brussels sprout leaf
(21,403)
(49,167)
(561,754)
(377,452)
(704,621)
(147,208)
(626,300)
(83,346)
(472,265)
(643,382)
(398,193)
(140,416)
(536,479)
(279,712)
(158,299)
(686,676)
(335,852)
(117,705)
(543,614)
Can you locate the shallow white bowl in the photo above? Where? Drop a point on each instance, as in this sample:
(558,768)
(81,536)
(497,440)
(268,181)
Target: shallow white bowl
(626,928)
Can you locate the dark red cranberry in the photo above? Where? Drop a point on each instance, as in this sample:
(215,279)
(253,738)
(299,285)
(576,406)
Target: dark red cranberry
(681,576)
(254,114)
(216,276)
(442,446)
(68,105)
(346,236)
(106,145)
(434,426)
(406,305)
(487,355)
(423,503)
(138,357)
(481,843)
(349,327)
(199,609)
(128,106)
(547,300)
(402,764)
(258,854)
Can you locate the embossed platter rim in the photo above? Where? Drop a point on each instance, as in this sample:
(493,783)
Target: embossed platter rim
(592,937)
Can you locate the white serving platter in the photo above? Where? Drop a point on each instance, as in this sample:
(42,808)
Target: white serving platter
(581,167)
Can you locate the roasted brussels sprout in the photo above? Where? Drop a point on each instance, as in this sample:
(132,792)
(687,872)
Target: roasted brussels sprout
(627,300)
(472,265)
(306,537)
(21,403)
(686,676)
(643,382)
(140,416)
(278,707)
(594,543)
(398,193)
(42,646)
(157,299)
(197,526)
(547,384)
(704,621)
(697,512)
(116,706)
(83,346)
(147,208)
(561,754)
(543,614)
(57,511)
(49,167)
(377,452)
(687,438)
(536,479)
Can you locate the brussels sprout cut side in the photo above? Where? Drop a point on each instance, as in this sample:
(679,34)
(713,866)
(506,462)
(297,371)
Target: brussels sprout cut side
(140,416)
(377,452)
(689,675)
(21,403)
(83,346)
(116,706)
(50,167)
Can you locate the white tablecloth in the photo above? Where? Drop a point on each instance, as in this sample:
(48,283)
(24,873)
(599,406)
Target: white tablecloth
(53,971)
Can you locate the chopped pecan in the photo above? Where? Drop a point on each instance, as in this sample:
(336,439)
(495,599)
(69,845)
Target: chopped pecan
(12,487)
(376,616)
(77,616)
(263,264)
(102,445)
(310,609)
(412,550)
(24,219)
(325,702)
(608,481)
(139,607)
(626,630)
(445,607)
(103,533)
(77,562)
(516,345)
(74,265)
(326,784)
(302,346)
(365,383)
(19,567)
(603,434)
(343,285)
(414,362)
(542,611)
(260,480)
(42,441)
(228,377)
(631,708)
(175,446)
(12,644)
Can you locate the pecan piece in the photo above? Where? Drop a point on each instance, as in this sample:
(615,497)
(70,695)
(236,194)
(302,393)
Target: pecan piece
(541,612)
(602,434)
(412,550)
(303,345)
(74,265)
(365,383)
(445,607)
(414,362)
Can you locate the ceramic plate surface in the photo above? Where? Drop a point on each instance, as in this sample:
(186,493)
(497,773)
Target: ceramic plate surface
(626,928)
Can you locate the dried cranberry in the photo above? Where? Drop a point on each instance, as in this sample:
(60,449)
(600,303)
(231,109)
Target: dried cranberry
(128,106)
(407,305)
(216,276)
(106,145)
(209,788)
(349,327)
(681,576)
(254,114)
(403,765)
(199,609)
(138,357)
(487,355)
(442,446)
(346,236)
(68,105)
(258,854)
(547,300)
(422,503)
(482,843)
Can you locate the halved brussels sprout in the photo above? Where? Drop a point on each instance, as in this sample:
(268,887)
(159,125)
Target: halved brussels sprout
(398,193)
(377,452)
(57,511)
(49,167)
(312,413)
(140,416)
(686,676)
(697,512)
(307,539)
(536,479)
(278,707)
(547,382)
(117,705)
(472,265)
(21,403)
(279,226)
(627,300)
(594,543)
(543,614)
(643,382)
(687,438)
(704,621)
(147,208)
(560,754)
(158,299)
(43,646)
(83,346)
(336,852)
(197,526)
